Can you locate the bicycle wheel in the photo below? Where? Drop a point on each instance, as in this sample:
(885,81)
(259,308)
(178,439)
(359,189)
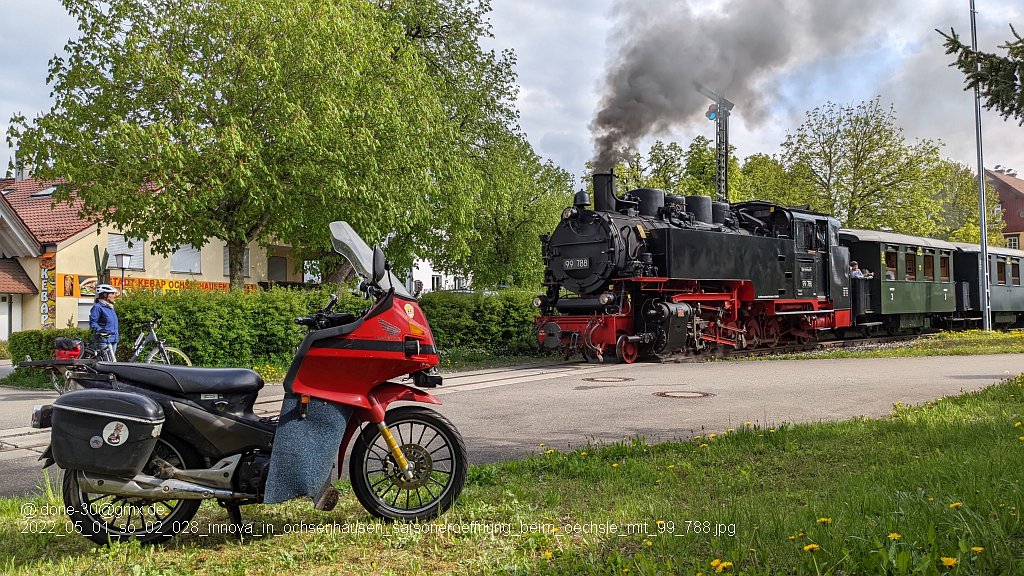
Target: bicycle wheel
(168,355)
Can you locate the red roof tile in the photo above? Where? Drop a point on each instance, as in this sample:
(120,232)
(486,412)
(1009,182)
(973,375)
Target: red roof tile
(48,222)
(13,279)
(1013,182)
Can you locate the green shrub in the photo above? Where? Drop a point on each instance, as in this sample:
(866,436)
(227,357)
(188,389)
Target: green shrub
(39,344)
(5,351)
(258,328)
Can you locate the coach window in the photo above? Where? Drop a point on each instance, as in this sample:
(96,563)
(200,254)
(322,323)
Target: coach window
(910,265)
(1001,272)
(944,267)
(929,268)
(890,264)
(1015,272)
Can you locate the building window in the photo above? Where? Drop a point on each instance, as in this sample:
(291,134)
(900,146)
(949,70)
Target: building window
(186,260)
(1013,242)
(435,282)
(460,283)
(277,269)
(121,244)
(84,309)
(910,262)
(245,263)
(929,267)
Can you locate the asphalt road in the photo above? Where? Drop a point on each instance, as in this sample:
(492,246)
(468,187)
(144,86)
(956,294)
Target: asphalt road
(508,413)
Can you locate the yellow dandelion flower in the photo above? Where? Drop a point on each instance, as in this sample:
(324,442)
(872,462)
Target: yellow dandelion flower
(660,522)
(1022,438)
(791,538)
(949,562)
(549,451)
(547,554)
(771,429)
(812,548)
(731,430)
(615,465)
(554,529)
(658,482)
(715,563)
(894,535)
(1016,424)
(747,423)
(712,436)
(583,453)
(824,520)
(671,466)
(723,566)
(801,533)
(649,543)
(703,445)
(625,570)
(930,499)
(541,444)
(977,549)
(956,505)
(697,437)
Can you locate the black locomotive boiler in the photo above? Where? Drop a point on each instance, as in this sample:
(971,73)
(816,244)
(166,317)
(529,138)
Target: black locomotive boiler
(653,274)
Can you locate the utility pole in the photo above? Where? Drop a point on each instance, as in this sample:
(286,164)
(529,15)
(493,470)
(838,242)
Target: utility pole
(719,112)
(986,307)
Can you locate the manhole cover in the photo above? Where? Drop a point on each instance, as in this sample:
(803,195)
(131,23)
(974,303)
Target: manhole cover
(609,379)
(685,394)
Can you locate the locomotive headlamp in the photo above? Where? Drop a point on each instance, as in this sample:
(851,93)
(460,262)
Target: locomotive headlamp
(569,212)
(540,301)
(606,298)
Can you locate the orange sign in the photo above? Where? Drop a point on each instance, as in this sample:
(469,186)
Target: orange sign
(173,285)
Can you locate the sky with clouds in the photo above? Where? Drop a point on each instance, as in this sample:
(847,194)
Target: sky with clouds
(782,57)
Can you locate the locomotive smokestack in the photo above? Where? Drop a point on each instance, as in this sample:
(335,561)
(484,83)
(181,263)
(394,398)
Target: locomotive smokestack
(604,192)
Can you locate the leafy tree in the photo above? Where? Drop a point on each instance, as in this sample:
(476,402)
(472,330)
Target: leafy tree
(999,79)
(765,178)
(853,162)
(521,199)
(957,195)
(254,121)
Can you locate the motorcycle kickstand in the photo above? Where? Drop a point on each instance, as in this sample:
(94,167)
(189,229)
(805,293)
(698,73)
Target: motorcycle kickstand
(234,514)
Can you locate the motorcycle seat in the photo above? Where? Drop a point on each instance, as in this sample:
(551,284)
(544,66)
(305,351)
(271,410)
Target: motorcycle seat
(185,379)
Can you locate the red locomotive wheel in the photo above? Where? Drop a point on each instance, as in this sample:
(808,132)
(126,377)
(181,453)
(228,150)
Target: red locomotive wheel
(625,350)
(754,333)
(772,333)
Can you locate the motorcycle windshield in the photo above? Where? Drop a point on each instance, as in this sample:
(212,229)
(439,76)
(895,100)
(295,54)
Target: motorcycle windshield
(350,245)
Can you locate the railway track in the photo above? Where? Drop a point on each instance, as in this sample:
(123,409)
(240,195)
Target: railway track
(725,354)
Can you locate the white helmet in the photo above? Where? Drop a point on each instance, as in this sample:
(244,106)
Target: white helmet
(106,289)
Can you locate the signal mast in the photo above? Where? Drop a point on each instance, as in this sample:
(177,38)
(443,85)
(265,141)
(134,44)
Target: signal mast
(719,112)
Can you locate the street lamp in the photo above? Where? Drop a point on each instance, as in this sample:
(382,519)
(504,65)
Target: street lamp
(122,262)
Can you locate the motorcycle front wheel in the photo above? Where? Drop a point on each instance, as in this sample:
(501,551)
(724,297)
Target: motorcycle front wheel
(438,455)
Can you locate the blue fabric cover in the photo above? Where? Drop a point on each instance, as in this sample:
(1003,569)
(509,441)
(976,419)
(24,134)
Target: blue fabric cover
(304,449)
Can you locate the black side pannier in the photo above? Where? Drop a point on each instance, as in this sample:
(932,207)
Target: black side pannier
(64,343)
(105,431)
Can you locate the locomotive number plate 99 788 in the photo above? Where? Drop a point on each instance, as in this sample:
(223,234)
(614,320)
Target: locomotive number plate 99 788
(576,263)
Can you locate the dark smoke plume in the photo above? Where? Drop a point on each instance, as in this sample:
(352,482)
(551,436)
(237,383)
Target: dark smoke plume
(738,49)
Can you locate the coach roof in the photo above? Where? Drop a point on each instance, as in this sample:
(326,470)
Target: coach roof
(851,235)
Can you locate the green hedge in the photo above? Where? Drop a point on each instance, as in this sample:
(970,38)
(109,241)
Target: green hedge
(39,344)
(258,328)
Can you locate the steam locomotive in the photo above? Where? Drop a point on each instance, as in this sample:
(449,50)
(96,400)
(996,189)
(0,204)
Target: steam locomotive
(650,274)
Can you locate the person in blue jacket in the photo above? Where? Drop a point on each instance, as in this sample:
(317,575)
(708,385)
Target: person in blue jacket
(103,318)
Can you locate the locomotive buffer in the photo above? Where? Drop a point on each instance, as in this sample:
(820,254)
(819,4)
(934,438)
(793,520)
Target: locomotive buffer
(719,113)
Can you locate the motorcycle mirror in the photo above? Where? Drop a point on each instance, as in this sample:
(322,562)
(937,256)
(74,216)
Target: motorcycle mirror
(331,303)
(379,265)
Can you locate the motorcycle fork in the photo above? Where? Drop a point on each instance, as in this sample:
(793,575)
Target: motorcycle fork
(396,451)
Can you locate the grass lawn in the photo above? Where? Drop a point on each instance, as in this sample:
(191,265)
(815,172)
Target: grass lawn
(933,489)
(965,343)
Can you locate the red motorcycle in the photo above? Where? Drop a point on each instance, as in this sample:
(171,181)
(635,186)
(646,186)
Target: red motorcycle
(143,444)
